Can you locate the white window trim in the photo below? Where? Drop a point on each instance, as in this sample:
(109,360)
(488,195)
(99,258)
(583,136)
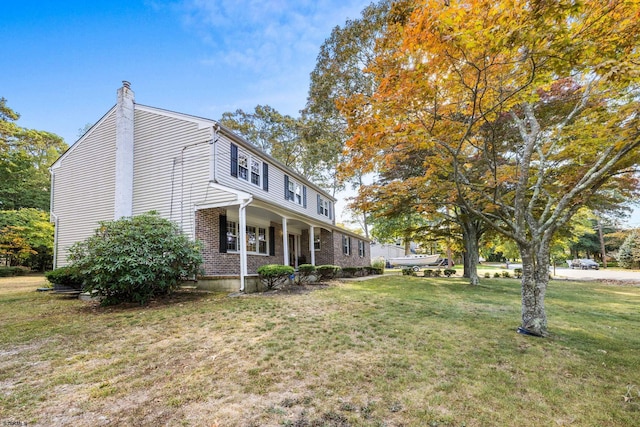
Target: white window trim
(257,225)
(319,248)
(295,188)
(325,206)
(250,160)
(235,235)
(346,245)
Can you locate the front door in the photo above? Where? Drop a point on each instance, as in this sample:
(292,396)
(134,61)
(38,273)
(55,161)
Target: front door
(293,259)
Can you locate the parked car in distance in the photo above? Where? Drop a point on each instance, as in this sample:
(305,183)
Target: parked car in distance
(443,262)
(584,264)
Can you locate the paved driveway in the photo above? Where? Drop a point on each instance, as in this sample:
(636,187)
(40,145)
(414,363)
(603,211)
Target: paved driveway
(602,274)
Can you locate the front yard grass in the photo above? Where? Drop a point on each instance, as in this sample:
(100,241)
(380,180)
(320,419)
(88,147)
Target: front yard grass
(391,351)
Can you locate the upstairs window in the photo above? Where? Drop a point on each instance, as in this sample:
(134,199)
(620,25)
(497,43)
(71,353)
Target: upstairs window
(255,172)
(243,165)
(324,207)
(248,167)
(298,194)
(295,191)
(291,191)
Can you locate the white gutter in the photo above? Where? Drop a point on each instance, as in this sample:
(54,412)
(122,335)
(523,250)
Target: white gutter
(54,219)
(213,152)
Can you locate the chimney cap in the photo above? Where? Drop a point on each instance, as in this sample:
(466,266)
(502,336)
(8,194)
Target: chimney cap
(126,84)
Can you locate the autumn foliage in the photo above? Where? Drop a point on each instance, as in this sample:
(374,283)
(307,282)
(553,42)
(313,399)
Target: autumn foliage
(519,112)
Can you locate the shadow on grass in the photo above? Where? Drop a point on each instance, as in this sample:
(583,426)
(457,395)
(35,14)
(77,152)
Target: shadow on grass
(164,301)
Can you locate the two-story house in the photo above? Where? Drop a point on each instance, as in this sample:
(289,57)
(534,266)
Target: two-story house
(246,208)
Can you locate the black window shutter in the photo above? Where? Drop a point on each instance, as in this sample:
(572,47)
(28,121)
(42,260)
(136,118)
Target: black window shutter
(286,187)
(272,241)
(223,234)
(234,160)
(304,197)
(265,177)
(350,250)
(319,205)
(330,210)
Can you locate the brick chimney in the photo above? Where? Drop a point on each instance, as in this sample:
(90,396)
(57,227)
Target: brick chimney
(124,152)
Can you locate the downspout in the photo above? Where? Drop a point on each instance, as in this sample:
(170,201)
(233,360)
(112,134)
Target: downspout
(53,218)
(242,214)
(213,153)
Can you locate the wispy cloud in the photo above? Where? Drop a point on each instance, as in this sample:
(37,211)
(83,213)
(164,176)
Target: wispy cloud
(276,41)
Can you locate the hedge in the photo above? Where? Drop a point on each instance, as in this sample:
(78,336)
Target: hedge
(65,276)
(13,271)
(272,275)
(327,272)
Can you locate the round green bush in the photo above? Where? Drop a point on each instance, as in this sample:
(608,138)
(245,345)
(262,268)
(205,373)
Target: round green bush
(135,259)
(327,272)
(305,271)
(65,276)
(272,275)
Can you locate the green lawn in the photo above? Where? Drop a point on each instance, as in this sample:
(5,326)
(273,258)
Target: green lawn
(392,351)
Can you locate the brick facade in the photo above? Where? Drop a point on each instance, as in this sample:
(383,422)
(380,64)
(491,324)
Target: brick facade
(208,232)
(325,255)
(353,259)
(207,223)
(228,264)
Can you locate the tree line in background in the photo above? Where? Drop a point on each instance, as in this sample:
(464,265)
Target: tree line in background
(26,235)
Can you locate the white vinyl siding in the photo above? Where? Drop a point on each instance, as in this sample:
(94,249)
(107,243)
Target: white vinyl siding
(173,168)
(83,187)
(168,177)
(276,180)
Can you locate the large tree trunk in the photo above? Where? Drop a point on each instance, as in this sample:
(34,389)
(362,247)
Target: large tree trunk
(471,237)
(603,250)
(535,278)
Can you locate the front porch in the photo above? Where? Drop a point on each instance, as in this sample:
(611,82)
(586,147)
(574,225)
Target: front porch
(269,238)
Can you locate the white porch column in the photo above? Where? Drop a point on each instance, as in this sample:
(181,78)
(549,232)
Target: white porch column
(242,242)
(311,244)
(285,240)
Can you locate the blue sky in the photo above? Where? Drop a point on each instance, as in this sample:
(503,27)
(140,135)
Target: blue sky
(63,61)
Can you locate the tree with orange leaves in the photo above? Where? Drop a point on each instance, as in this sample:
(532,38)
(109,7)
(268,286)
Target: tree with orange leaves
(530,107)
